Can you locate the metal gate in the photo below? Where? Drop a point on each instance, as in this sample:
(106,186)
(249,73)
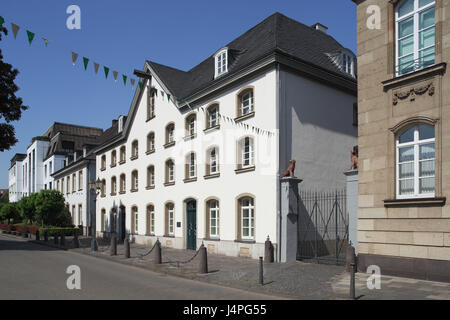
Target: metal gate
(323,226)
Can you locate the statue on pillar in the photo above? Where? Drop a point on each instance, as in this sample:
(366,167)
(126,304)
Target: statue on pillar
(354,158)
(290,170)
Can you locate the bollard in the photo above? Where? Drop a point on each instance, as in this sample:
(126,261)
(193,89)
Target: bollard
(25,235)
(76,242)
(37,236)
(261,271)
(268,251)
(62,240)
(157,254)
(350,257)
(113,247)
(46,236)
(127,248)
(203,264)
(352,281)
(55,239)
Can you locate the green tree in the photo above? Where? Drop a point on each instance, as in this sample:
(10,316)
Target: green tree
(51,209)
(9,212)
(26,207)
(11,107)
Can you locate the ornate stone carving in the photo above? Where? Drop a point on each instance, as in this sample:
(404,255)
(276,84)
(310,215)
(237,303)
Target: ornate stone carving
(411,94)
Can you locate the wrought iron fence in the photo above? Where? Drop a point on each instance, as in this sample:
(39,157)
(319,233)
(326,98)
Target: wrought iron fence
(323,226)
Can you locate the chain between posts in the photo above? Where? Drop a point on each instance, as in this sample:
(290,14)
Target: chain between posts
(183,262)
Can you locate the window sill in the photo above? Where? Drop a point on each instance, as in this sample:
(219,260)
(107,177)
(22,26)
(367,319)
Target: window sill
(189,180)
(414,76)
(113,194)
(168,184)
(134,158)
(122,192)
(150,118)
(134,190)
(211,239)
(211,176)
(122,162)
(415,202)
(191,137)
(170,144)
(113,165)
(103,196)
(150,188)
(243,170)
(245,241)
(210,129)
(150,152)
(245,117)
(149,234)
(102,169)
(169,236)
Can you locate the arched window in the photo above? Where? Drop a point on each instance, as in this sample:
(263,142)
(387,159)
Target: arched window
(246,103)
(80,180)
(68,185)
(212,218)
(246,153)
(123,154)
(415,35)
(416,162)
(212,161)
(170,172)
(212,116)
(169,219)
(113,158)
(150,142)
(170,134)
(191,122)
(103,162)
(113,186)
(246,218)
(103,221)
(123,183)
(150,103)
(150,219)
(134,150)
(150,177)
(191,166)
(74,182)
(103,188)
(134,220)
(134,181)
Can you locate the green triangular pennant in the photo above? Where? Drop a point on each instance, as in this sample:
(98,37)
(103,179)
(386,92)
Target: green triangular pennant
(106,71)
(86,61)
(2,21)
(141,84)
(168,96)
(124,79)
(30,36)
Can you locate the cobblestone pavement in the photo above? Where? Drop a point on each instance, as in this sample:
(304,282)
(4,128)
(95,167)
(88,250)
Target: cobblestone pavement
(293,280)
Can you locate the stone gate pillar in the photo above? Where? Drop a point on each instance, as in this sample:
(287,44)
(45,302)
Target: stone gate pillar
(289,218)
(352,207)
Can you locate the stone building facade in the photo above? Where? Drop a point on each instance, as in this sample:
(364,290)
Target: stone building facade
(404,137)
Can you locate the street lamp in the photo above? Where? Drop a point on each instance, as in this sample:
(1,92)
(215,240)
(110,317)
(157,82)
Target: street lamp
(96,187)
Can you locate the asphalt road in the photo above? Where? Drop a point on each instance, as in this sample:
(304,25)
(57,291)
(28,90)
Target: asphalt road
(31,271)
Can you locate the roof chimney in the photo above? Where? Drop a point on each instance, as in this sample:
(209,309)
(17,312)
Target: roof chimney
(114,122)
(320,27)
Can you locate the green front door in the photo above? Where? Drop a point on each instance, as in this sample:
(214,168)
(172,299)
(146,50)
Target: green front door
(191,225)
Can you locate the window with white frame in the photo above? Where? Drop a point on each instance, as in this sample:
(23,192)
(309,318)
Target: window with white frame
(221,60)
(113,158)
(150,102)
(170,218)
(135,149)
(151,142)
(213,161)
(113,185)
(134,181)
(348,64)
(213,116)
(415,35)
(214,219)
(246,105)
(416,162)
(150,176)
(191,166)
(151,219)
(170,130)
(123,183)
(247,153)
(247,218)
(135,216)
(123,154)
(80,180)
(170,171)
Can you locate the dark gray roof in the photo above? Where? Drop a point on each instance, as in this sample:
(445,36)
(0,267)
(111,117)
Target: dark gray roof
(277,33)
(110,133)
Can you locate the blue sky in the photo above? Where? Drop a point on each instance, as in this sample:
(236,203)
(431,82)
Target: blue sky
(122,35)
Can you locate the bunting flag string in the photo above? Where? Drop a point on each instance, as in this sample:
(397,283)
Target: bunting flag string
(31,36)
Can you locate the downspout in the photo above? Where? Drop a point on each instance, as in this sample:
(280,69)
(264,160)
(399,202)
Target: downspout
(277,119)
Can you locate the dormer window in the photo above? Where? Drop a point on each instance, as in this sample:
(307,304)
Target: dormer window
(348,65)
(221,60)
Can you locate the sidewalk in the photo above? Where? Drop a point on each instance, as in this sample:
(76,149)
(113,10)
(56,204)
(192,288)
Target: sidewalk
(296,280)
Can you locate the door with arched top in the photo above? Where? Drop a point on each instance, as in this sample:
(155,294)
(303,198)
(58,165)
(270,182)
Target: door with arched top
(191,225)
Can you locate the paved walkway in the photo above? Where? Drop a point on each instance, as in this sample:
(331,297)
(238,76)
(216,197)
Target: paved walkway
(294,280)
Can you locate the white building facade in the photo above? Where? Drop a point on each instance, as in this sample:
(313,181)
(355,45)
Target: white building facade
(200,155)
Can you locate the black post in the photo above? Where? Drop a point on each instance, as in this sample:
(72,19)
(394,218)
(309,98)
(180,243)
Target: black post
(46,236)
(268,251)
(350,257)
(62,240)
(127,248)
(76,242)
(261,271)
(158,259)
(55,239)
(37,235)
(352,281)
(113,248)
(203,264)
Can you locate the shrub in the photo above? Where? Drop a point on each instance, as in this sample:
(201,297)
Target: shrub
(9,213)
(52,231)
(51,209)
